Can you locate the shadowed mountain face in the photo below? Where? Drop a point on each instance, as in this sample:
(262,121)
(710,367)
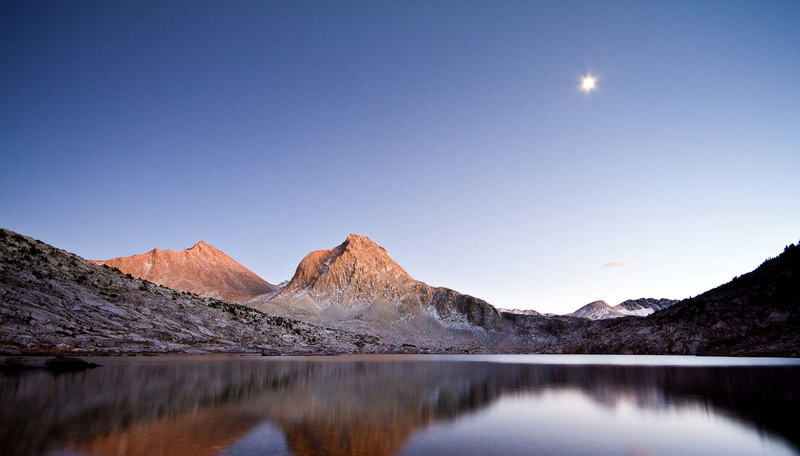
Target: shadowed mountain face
(354,406)
(202,269)
(358,280)
(600,310)
(756,313)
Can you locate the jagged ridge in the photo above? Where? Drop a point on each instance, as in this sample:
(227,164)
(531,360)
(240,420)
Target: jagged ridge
(642,307)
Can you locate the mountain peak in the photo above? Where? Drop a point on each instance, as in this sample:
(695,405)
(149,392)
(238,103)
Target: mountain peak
(358,279)
(201,269)
(324,271)
(361,242)
(600,310)
(202,245)
(594,310)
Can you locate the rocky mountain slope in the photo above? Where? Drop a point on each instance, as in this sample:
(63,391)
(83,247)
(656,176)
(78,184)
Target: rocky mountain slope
(595,310)
(757,313)
(358,283)
(202,269)
(645,306)
(600,310)
(55,301)
(355,298)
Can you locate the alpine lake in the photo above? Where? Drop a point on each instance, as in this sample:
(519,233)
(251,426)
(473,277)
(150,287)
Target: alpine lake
(405,405)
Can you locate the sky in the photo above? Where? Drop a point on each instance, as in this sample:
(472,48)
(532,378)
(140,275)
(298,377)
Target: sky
(454,134)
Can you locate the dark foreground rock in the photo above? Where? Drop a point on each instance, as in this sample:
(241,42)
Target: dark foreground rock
(756,314)
(68,364)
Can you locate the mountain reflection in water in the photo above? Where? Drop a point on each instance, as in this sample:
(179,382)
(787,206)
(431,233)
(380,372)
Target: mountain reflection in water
(385,405)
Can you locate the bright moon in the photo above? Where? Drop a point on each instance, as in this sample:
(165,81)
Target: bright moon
(588,83)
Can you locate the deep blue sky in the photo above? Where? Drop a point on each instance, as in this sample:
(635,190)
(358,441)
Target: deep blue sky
(452,133)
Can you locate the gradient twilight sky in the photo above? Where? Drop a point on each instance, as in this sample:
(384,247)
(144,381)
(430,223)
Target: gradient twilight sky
(452,133)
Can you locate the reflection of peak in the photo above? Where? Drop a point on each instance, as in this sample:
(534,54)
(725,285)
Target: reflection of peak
(375,408)
(320,407)
(179,433)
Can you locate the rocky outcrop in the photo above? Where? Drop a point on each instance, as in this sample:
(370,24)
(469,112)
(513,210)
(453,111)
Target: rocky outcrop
(202,269)
(645,306)
(520,311)
(359,280)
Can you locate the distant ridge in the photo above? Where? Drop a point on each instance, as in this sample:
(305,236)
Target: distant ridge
(520,311)
(642,307)
(757,313)
(201,269)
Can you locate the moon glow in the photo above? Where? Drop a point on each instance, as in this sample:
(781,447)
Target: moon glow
(588,83)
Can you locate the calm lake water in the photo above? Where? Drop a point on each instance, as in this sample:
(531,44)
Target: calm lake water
(406,405)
